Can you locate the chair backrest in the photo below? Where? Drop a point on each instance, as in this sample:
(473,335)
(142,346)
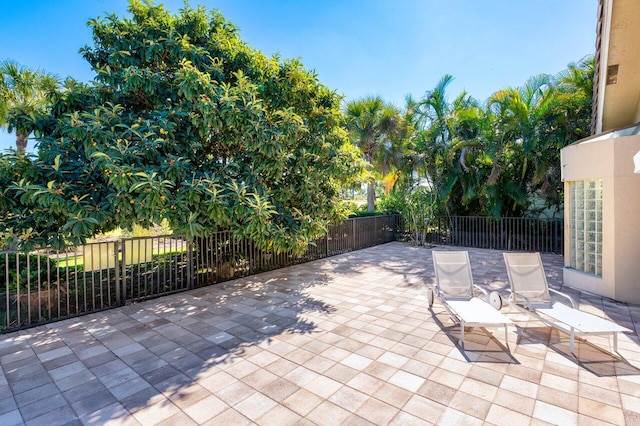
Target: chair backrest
(453,273)
(526,275)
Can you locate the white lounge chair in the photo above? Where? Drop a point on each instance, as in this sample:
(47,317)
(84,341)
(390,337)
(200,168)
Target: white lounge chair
(530,293)
(454,286)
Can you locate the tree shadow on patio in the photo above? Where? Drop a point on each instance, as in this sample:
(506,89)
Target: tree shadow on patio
(160,351)
(410,269)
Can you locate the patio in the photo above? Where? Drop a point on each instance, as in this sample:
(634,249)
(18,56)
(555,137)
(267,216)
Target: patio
(343,340)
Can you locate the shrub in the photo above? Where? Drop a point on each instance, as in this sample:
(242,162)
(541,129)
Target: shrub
(23,269)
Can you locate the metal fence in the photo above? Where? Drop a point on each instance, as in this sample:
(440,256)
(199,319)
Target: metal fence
(220,257)
(507,233)
(46,285)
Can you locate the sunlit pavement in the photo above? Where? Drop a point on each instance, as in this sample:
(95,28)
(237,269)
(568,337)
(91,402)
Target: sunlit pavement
(343,340)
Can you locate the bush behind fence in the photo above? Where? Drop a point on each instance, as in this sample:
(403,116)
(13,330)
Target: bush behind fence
(507,233)
(47,285)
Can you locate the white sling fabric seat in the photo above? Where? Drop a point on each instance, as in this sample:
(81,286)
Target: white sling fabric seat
(530,293)
(454,286)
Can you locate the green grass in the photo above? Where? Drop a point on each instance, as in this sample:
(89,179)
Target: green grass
(78,261)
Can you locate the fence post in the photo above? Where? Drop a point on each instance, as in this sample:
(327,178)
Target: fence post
(375,231)
(117,271)
(189,264)
(395,220)
(353,234)
(326,242)
(457,230)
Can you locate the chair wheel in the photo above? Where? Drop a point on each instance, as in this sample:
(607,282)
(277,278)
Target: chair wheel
(430,296)
(495,300)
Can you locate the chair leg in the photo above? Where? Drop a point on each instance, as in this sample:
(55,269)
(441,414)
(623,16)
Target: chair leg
(506,335)
(462,333)
(615,342)
(571,343)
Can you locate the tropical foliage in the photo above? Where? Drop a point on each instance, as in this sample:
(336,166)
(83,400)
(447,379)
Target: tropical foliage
(24,94)
(497,158)
(375,128)
(184,122)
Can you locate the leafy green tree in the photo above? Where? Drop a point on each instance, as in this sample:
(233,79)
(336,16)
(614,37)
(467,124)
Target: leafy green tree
(375,127)
(24,94)
(183,122)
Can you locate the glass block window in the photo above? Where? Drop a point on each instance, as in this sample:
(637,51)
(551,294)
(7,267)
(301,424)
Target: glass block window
(586,226)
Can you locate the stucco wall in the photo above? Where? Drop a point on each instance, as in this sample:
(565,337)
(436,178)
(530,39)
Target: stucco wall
(612,161)
(627,217)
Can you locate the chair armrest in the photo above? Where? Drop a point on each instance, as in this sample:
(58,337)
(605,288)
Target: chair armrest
(483,291)
(438,292)
(573,305)
(527,302)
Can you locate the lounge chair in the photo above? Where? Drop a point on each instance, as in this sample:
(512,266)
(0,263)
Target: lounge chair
(530,293)
(454,286)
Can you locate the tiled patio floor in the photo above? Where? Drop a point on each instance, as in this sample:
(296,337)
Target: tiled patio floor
(345,340)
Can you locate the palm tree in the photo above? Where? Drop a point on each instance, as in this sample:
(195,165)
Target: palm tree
(530,126)
(566,120)
(435,112)
(431,118)
(447,137)
(24,94)
(501,157)
(515,146)
(375,126)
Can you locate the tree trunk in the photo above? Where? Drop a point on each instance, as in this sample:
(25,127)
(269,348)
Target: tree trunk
(371,189)
(21,141)
(371,197)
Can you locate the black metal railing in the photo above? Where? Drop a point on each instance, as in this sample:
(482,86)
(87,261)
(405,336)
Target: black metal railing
(46,285)
(219,257)
(507,233)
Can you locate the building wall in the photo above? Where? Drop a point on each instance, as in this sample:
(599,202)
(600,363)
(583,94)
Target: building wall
(612,161)
(619,60)
(627,216)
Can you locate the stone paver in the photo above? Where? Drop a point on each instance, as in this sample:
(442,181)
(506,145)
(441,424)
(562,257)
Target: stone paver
(343,340)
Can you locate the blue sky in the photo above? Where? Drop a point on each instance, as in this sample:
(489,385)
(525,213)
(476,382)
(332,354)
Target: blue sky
(357,47)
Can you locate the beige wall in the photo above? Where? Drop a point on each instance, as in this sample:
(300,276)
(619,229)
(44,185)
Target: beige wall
(612,161)
(618,101)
